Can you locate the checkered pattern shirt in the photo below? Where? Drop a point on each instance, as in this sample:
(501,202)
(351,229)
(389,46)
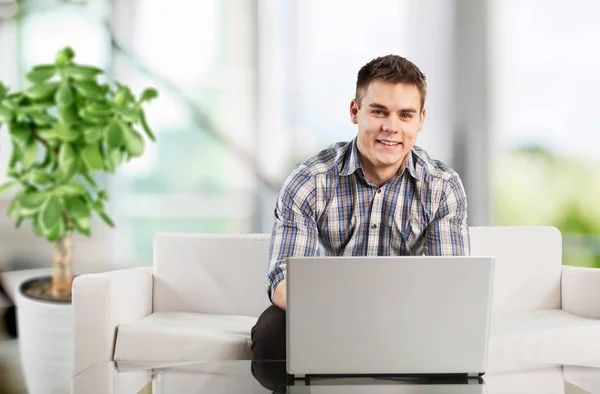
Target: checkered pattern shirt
(327,207)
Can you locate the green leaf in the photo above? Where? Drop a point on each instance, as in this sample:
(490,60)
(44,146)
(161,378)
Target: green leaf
(3,90)
(30,203)
(47,134)
(134,143)
(7,186)
(15,98)
(148,94)
(83,225)
(130,115)
(19,133)
(44,67)
(56,233)
(16,157)
(19,221)
(82,73)
(40,177)
(64,95)
(29,155)
(65,133)
(93,134)
(37,230)
(114,136)
(43,106)
(5,115)
(41,75)
(73,188)
(41,92)
(21,116)
(64,56)
(88,117)
(124,97)
(68,115)
(106,219)
(67,161)
(50,158)
(89,179)
(108,165)
(92,158)
(77,208)
(98,205)
(89,89)
(14,206)
(115,157)
(146,127)
(99,110)
(41,118)
(49,214)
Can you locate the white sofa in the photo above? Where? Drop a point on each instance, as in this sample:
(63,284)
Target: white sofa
(205,292)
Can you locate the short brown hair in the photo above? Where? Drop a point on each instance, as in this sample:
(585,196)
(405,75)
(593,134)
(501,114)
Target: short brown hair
(393,69)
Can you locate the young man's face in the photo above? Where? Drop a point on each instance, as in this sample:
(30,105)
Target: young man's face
(389,118)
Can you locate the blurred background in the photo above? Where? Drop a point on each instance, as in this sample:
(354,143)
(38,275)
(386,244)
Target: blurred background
(251,87)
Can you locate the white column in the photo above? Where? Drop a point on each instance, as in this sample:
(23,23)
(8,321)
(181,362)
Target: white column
(471,106)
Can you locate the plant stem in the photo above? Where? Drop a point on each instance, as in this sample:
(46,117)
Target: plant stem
(62,275)
(36,136)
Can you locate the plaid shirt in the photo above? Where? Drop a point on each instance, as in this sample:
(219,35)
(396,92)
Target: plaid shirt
(327,207)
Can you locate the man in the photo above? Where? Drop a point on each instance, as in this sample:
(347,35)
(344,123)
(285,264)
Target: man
(378,195)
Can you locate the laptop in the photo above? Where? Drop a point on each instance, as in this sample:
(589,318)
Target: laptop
(401,315)
(381,387)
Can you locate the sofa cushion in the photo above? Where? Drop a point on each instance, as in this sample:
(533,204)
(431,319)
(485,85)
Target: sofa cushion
(528,267)
(184,336)
(211,273)
(551,336)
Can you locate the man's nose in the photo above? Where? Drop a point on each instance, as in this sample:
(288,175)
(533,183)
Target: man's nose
(390,125)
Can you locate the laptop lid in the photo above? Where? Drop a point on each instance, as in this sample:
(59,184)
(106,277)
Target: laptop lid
(388,315)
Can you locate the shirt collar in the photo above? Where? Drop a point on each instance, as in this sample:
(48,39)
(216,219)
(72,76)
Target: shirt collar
(409,164)
(351,162)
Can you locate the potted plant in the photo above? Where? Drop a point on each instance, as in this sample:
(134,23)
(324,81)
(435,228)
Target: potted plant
(65,128)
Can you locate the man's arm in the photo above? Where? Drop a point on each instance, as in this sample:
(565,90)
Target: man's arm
(294,232)
(280,295)
(448,234)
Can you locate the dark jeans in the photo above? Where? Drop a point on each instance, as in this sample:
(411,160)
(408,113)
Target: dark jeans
(268,335)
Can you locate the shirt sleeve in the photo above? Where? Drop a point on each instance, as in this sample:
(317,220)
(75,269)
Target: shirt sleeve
(448,233)
(295,228)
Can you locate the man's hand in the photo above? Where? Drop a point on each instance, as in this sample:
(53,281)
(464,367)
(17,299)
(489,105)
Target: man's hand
(280,295)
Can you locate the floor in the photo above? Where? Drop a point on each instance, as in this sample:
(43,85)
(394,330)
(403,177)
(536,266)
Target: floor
(11,376)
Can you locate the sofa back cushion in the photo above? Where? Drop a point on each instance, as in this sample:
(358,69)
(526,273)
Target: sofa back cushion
(224,274)
(210,273)
(528,265)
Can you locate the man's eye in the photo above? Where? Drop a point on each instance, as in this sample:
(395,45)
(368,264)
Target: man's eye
(406,116)
(378,112)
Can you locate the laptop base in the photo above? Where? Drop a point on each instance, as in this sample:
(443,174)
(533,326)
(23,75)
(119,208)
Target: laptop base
(440,378)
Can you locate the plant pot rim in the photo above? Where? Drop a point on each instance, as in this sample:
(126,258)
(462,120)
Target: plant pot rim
(26,284)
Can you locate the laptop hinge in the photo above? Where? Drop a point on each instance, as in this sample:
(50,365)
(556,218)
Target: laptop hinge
(449,378)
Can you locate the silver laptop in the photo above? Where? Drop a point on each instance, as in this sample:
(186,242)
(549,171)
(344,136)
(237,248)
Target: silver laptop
(418,315)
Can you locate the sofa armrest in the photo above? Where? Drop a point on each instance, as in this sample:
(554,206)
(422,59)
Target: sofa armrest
(581,291)
(100,303)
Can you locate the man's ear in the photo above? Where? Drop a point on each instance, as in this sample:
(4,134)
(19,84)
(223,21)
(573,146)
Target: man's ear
(354,111)
(422,120)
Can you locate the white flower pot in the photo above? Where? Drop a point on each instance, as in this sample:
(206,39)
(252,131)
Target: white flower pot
(45,341)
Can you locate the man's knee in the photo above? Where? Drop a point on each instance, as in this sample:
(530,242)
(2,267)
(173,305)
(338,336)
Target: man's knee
(268,335)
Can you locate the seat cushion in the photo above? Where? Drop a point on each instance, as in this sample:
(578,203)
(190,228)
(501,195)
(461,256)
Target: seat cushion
(552,336)
(185,336)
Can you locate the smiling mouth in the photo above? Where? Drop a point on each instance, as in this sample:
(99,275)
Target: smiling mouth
(388,143)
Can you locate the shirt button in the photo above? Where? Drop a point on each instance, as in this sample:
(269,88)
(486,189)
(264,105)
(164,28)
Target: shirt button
(378,190)
(373,226)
